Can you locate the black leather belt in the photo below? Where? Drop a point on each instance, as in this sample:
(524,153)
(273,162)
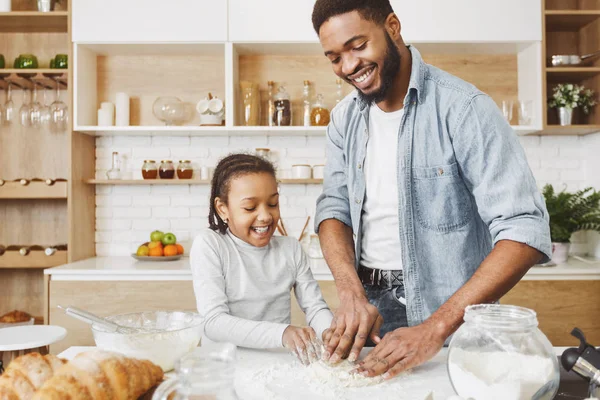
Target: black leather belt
(380,277)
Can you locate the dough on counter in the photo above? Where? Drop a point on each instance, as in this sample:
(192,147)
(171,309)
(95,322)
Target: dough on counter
(339,375)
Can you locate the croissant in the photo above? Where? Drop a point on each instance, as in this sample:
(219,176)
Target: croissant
(25,374)
(101,375)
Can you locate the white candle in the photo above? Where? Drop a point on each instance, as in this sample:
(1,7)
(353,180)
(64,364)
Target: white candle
(5,5)
(122,109)
(110,108)
(104,117)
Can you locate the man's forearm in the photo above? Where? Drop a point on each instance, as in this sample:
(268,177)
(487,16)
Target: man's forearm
(501,270)
(337,244)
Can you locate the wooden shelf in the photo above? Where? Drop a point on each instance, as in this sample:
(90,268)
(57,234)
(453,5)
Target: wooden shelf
(33,21)
(35,259)
(201,130)
(39,72)
(33,190)
(571,130)
(571,74)
(569,20)
(186,182)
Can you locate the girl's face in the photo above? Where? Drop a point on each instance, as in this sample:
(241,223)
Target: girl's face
(252,212)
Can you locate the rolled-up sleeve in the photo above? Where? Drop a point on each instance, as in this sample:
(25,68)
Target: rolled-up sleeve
(333,202)
(495,169)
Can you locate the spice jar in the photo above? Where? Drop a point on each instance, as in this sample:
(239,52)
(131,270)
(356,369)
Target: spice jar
(319,114)
(166,169)
(283,108)
(149,169)
(185,169)
(499,353)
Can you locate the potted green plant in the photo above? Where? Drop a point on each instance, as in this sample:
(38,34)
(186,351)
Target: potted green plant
(569,213)
(566,97)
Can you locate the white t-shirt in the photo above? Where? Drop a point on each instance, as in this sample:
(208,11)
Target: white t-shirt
(380,243)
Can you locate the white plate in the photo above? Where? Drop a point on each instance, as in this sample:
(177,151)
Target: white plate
(30,337)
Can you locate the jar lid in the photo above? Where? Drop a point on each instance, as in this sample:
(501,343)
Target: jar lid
(306,83)
(184,161)
(262,149)
(166,161)
(300,165)
(149,161)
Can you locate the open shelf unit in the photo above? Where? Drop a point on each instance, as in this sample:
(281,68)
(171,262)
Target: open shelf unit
(571,27)
(187,182)
(34,212)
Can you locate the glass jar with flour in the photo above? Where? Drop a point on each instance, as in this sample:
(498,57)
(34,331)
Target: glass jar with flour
(499,353)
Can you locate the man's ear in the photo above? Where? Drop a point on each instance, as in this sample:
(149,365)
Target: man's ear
(393,26)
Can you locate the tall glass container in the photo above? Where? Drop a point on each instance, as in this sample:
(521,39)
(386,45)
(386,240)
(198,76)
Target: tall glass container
(282,115)
(270,103)
(306,104)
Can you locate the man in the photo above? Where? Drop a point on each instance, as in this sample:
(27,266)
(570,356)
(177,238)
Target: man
(428,203)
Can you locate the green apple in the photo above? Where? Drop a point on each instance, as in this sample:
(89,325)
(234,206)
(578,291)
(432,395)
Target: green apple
(168,239)
(156,236)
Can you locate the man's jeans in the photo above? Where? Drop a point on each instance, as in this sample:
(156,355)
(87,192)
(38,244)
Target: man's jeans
(391,304)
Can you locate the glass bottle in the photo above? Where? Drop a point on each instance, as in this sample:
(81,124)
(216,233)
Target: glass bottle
(306,104)
(339,93)
(282,115)
(263,152)
(185,169)
(250,103)
(270,103)
(500,353)
(166,170)
(149,169)
(205,373)
(319,115)
(115,171)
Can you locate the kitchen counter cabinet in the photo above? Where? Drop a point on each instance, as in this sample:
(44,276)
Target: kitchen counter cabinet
(147,21)
(564,296)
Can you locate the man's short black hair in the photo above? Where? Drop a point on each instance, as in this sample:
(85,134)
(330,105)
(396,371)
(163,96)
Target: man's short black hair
(371,10)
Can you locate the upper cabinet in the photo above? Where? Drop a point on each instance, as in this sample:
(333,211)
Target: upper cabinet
(149,21)
(470,20)
(271,21)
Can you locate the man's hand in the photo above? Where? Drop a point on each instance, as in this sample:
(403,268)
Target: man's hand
(355,321)
(402,349)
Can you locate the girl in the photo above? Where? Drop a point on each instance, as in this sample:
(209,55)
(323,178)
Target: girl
(243,275)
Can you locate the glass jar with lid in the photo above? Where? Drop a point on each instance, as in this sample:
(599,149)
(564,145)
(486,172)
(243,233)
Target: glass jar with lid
(185,169)
(166,169)
(499,353)
(282,115)
(149,169)
(319,114)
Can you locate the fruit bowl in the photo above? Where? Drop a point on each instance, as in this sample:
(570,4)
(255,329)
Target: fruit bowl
(163,258)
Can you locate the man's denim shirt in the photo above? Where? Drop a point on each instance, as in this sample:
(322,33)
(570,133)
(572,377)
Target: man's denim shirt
(463,184)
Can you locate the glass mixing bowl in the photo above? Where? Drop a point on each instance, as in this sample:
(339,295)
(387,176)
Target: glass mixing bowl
(171,110)
(162,337)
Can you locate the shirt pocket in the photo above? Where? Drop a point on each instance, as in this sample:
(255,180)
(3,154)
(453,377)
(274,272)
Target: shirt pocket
(442,201)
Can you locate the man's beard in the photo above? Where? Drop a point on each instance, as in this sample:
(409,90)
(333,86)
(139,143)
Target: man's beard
(391,65)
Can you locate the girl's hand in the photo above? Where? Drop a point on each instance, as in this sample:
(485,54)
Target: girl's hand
(303,343)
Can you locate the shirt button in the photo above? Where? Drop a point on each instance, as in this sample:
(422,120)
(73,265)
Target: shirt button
(358,200)
(359,166)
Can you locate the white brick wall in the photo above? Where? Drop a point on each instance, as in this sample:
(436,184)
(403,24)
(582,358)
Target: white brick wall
(125,215)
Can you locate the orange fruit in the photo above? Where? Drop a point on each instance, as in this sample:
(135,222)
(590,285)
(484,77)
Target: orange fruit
(170,250)
(152,245)
(156,252)
(179,248)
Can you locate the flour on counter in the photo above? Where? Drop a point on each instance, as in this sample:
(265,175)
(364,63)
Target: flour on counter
(320,380)
(498,375)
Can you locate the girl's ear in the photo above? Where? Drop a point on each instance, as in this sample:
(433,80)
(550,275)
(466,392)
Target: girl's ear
(221,208)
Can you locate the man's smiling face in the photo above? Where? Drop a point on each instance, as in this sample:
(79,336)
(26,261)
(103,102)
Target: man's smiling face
(362,53)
